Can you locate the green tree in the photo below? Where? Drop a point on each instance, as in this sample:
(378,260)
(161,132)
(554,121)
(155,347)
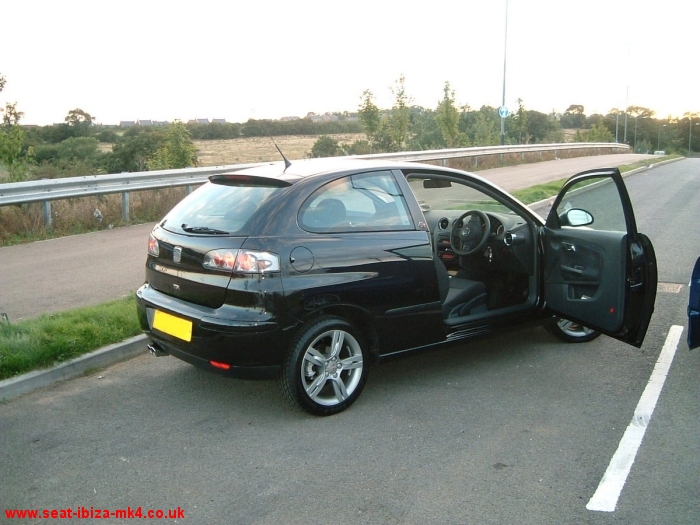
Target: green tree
(80,121)
(79,149)
(11,142)
(359,147)
(424,132)
(369,116)
(178,150)
(447,117)
(325,146)
(521,124)
(640,112)
(108,136)
(483,126)
(598,133)
(12,156)
(573,117)
(399,121)
(543,128)
(135,148)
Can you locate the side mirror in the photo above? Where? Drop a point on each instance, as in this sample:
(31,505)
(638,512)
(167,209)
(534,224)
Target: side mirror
(576,217)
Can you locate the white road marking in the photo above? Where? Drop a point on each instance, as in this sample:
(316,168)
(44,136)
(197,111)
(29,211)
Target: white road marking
(610,487)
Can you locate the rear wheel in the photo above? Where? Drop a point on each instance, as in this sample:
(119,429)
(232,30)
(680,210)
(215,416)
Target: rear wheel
(570,331)
(326,367)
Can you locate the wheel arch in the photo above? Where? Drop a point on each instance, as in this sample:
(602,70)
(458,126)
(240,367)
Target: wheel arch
(358,317)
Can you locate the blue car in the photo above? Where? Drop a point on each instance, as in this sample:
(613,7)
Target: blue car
(694,308)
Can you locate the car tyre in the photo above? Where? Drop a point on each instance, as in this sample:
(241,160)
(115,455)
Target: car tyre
(325,369)
(570,331)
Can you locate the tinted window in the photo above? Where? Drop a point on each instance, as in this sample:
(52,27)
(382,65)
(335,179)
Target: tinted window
(367,202)
(217,208)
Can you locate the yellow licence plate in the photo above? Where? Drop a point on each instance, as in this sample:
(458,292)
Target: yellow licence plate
(171,325)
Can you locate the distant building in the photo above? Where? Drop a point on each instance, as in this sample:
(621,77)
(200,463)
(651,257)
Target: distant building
(126,123)
(160,123)
(218,121)
(327,117)
(144,122)
(287,119)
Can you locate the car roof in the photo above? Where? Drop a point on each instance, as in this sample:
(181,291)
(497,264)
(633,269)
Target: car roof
(300,169)
(304,168)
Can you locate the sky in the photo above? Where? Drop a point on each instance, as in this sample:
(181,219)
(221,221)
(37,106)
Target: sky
(158,60)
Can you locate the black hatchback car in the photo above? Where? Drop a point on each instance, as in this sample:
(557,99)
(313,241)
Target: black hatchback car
(313,272)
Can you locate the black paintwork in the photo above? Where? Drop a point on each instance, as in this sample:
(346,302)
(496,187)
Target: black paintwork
(385,283)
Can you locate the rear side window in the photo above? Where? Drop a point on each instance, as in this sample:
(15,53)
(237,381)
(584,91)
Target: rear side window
(359,203)
(218,209)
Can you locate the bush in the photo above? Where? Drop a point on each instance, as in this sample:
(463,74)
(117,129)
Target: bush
(325,146)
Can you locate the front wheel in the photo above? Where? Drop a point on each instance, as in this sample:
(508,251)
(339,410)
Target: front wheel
(326,367)
(570,331)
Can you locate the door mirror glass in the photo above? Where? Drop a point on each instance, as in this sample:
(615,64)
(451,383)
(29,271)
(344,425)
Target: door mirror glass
(576,217)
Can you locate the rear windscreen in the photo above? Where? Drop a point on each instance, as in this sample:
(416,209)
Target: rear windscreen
(217,209)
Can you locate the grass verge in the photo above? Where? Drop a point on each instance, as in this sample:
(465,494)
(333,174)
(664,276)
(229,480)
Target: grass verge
(53,338)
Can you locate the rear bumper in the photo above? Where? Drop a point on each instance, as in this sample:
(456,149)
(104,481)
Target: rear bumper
(250,344)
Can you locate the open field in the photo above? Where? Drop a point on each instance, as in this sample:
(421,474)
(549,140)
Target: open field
(261,149)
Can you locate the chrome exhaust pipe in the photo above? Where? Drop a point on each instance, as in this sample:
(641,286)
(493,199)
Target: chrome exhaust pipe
(156,350)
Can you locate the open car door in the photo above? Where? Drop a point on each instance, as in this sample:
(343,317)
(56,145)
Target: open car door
(599,271)
(694,308)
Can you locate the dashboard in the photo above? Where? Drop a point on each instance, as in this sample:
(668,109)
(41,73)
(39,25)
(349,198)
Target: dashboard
(510,246)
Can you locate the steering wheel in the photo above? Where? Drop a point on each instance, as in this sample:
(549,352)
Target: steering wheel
(472,235)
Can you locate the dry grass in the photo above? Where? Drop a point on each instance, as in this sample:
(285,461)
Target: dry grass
(261,149)
(25,223)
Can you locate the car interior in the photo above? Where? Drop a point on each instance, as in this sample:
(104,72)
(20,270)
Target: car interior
(484,251)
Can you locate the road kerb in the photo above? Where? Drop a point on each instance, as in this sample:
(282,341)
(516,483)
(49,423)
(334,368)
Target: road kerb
(16,386)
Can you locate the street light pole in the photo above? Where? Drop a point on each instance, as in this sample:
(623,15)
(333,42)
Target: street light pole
(658,139)
(690,131)
(503,101)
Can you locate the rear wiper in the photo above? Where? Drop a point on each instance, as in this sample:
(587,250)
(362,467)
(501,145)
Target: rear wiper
(202,229)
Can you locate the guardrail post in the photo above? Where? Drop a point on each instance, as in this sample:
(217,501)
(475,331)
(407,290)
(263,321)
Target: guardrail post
(125,206)
(189,189)
(476,161)
(46,207)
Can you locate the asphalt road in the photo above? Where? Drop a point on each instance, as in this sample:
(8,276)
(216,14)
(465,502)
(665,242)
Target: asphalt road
(515,429)
(84,270)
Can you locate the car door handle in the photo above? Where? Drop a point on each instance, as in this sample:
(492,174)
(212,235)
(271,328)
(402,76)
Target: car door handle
(572,269)
(568,247)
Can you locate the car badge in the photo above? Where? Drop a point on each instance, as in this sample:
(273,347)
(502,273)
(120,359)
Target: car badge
(177,254)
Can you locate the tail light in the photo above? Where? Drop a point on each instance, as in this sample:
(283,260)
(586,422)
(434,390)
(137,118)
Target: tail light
(153,248)
(244,261)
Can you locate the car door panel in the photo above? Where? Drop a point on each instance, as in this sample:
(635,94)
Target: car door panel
(600,273)
(586,274)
